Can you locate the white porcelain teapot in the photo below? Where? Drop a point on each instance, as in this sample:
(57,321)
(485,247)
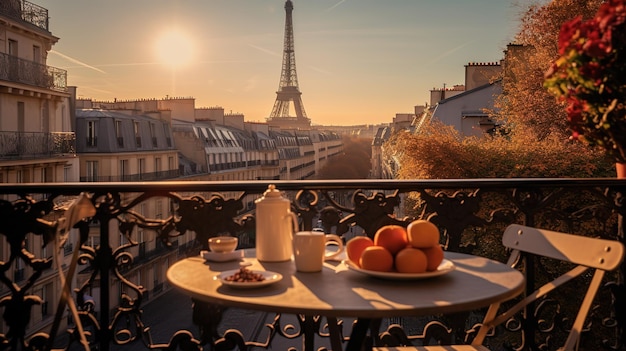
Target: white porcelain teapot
(275,225)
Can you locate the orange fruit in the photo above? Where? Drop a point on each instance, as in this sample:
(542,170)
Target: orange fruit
(376,258)
(356,245)
(434,256)
(411,260)
(392,237)
(422,234)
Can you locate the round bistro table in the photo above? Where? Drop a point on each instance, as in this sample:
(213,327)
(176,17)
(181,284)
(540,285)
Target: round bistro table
(338,291)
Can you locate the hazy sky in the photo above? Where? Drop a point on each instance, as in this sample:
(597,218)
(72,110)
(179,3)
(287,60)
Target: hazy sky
(358,61)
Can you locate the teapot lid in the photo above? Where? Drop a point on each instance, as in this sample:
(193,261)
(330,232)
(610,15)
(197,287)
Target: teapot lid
(272,191)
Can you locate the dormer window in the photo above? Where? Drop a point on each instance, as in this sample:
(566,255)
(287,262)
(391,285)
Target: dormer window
(118,133)
(137,133)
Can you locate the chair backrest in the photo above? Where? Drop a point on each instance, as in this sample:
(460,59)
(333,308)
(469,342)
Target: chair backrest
(588,253)
(591,252)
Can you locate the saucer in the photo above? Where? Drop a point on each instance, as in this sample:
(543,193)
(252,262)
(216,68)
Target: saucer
(268,278)
(221,256)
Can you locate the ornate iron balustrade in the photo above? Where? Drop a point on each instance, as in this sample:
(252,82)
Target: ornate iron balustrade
(15,145)
(148,176)
(470,213)
(26,11)
(22,71)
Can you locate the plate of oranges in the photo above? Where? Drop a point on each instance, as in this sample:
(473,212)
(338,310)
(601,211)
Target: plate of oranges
(396,252)
(446,266)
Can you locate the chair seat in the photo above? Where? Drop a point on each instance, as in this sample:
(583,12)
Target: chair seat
(433,348)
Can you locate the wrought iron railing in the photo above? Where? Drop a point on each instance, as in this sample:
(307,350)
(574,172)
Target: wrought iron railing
(138,177)
(470,213)
(14,69)
(26,11)
(28,145)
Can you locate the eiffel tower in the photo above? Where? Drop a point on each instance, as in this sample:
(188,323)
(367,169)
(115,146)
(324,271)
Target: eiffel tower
(288,91)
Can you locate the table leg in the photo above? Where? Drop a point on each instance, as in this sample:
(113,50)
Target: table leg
(359,332)
(335,334)
(309,326)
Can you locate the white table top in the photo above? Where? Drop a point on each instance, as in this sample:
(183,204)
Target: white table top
(337,291)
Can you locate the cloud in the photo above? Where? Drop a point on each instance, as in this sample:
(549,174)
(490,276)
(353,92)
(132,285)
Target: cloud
(335,5)
(77,61)
(451,51)
(264,50)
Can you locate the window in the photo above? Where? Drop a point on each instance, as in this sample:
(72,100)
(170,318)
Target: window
(67,174)
(170,163)
(137,134)
(118,133)
(157,164)
(141,165)
(124,169)
(47,175)
(21,115)
(36,54)
(13,47)
(91,134)
(91,171)
(14,70)
(65,126)
(153,134)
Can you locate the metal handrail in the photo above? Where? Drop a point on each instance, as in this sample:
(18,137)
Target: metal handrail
(470,213)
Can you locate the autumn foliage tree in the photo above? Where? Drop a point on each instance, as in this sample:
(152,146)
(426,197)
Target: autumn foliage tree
(525,104)
(439,152)
(535,138)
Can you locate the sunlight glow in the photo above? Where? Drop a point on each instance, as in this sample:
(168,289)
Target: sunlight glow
(174,48)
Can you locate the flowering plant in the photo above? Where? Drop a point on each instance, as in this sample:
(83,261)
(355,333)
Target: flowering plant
(589,76)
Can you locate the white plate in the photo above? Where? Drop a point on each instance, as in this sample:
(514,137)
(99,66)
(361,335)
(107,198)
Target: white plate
(270,278)
(446,266)
(221,256)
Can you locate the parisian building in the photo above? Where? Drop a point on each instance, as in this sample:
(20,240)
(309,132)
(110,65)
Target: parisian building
(37,142)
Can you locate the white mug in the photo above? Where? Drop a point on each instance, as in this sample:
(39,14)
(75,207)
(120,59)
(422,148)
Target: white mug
(309,250)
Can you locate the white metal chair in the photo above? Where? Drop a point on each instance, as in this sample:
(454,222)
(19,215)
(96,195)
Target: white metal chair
(588,253)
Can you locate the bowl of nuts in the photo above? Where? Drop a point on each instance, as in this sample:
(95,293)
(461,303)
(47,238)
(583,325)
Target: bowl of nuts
(223,244)
(247,278)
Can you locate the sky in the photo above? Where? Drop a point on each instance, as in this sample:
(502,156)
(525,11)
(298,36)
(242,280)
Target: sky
(358,61)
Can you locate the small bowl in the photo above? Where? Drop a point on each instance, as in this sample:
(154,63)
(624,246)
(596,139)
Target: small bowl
(223,244)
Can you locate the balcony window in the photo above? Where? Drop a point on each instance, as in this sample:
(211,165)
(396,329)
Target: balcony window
(91,171)
(124,170)
(141,165)
(157,164)
(13,47)
(36,54)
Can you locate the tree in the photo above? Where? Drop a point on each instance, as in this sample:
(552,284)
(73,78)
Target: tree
(525,104)
(441,153)
(535,141)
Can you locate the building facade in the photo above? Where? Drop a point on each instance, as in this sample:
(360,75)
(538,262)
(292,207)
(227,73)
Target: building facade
(37,144)
(124,145)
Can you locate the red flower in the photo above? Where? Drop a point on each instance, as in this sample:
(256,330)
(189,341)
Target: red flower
(590,77)
(569,31)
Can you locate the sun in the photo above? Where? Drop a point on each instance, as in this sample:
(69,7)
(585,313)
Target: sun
(174,48)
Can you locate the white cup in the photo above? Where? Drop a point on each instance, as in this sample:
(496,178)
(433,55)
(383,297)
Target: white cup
(309,250)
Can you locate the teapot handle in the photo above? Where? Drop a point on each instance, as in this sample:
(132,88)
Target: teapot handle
(294,219)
